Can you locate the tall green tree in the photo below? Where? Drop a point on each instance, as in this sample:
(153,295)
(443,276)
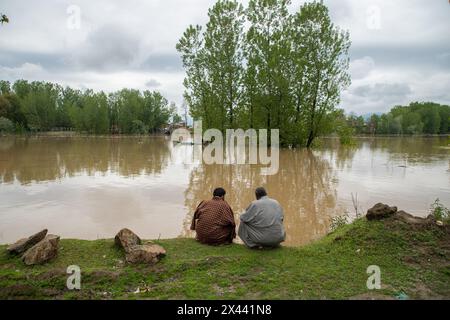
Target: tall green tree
(39,105)
(267,51)
(223,59)
(325,62)
(197,88)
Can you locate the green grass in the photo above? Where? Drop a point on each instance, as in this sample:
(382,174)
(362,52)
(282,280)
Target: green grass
(411,261)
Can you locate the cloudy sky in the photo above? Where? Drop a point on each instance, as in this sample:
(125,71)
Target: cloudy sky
(400,49)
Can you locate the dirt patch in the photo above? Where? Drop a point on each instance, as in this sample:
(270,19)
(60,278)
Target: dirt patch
(422,292)
(17,291)
(101,276)
(372,296)
(52,275)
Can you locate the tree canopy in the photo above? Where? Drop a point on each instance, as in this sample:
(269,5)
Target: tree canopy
(416,118)
(44,106)
(262,67)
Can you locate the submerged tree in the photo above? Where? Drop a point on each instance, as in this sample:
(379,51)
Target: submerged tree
(196,83)
(267,52)
(285,72)
(223,59)
(213,63)
(324,64)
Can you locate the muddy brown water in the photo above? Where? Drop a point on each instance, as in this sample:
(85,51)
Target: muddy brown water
(90,187)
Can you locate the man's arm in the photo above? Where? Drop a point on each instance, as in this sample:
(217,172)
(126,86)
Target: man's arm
(233,223)
(249,213)
(230,218)
(195,217)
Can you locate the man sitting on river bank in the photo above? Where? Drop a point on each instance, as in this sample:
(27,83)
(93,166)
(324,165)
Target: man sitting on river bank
(213,220)
(262,223)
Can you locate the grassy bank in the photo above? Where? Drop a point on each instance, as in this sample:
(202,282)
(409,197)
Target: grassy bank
(413,260)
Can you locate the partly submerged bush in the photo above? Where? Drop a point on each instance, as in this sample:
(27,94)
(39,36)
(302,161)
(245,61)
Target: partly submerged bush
(346,134)
(138,127)
(439,211)
(338,221)
(6,125)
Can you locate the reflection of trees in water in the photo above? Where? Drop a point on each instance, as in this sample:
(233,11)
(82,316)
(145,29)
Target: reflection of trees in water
(303,186)
(396,150)
(48,159)
(411,149)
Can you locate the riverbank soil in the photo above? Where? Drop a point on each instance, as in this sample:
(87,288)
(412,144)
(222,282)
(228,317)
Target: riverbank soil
(413,260)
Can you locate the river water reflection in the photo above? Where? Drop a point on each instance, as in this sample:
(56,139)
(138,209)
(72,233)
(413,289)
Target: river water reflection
(90,187)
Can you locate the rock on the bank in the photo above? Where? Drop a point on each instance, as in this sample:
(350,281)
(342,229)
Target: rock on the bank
(126,239)
(410,219)
(135,252)
(380,211)
(23,245)
(147,253)
(42,252)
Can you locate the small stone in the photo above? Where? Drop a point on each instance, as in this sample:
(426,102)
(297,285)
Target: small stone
(440,223)
(24,244)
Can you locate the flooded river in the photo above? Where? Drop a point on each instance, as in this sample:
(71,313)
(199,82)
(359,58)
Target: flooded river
(90,187)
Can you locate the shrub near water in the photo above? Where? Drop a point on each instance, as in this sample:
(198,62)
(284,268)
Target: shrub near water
(440,212)
(6,125)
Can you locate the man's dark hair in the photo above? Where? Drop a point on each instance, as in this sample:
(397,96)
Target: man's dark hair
(219,192)
(260,192)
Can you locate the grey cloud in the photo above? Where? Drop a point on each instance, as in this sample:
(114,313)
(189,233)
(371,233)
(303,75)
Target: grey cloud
(339,10)
(153,83)
(109,47)
(435,57)
(361,68)
(49,61)
(383,91)
(159,62)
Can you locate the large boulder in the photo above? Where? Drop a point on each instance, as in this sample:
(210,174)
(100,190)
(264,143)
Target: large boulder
(126,239)
(380,211)
(44,251)
(146,253)
(23,245)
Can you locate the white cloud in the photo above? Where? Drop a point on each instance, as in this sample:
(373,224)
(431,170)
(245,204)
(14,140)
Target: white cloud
(361,68)
(26,70)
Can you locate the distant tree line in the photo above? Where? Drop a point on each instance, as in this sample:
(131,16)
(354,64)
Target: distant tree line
(43,106)
(262,67)
(417,118)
